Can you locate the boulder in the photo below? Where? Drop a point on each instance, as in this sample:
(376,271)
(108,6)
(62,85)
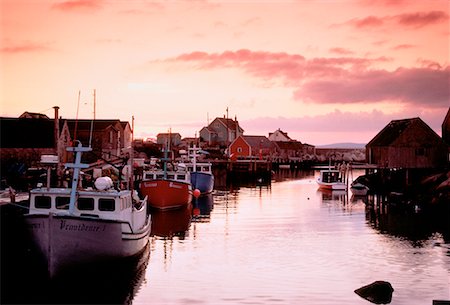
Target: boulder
(379,292)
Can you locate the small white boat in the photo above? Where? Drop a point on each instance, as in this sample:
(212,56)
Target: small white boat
(331,179)
(72,226)
(359,189)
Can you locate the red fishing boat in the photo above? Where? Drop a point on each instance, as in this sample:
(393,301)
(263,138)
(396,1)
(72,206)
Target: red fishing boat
(167,189)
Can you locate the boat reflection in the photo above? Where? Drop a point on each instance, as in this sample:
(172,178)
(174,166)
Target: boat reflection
(202,207)
(170,223)
(332,196)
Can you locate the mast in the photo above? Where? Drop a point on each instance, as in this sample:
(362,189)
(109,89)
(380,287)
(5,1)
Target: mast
(78,150)
(131,187)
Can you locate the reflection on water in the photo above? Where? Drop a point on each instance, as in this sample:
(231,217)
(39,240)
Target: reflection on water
(288,243)
(174,222)
(285,242)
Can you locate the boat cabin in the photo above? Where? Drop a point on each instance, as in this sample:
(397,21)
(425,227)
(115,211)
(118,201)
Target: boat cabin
(331,176)
(157,175)
(99,204)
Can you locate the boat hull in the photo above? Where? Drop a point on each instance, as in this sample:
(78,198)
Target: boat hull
(67,241)
(204,182)
(166,194)
(332,185)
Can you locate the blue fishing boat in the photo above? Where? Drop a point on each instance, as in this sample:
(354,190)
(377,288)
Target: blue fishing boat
(202,177)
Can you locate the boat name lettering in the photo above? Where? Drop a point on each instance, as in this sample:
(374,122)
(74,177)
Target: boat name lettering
(150,184)
(171,184)
(81,227)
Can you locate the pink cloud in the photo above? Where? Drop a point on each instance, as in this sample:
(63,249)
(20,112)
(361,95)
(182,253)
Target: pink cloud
(416,20)
(416,86)
(27,47)
(341,51)
(370,21)
(421,19)
(77,4)
(335,79)
(403,47)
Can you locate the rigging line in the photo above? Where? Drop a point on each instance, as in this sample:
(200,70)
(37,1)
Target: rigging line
(76,119)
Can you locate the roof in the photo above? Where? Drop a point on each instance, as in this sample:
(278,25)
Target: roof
(393,130)
(172,134)
(446,122)
(33,115)
(291,145)
(229,123)
(26,133)
(86,125)
(258,141)
(282,132)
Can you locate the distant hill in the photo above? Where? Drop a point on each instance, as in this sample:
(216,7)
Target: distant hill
(343,145)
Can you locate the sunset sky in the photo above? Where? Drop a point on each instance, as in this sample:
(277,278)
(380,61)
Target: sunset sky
(323,71)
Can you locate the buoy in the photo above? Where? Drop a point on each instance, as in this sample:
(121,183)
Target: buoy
(196,193)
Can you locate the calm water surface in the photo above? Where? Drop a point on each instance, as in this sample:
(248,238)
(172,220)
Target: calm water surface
(289,243)
(283,243)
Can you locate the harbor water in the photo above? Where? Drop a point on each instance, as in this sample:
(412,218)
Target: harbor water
(284,242)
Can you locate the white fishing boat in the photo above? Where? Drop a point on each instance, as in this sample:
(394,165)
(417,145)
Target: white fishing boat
(331,179)
(72,226)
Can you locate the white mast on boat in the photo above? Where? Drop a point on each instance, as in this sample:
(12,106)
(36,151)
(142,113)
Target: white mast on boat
(78,150)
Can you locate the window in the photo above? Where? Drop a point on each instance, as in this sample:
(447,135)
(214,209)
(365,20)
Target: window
(198,168)
(239,149)
(85,204)
(43,202)
(105,204)
(62,203)
(181,177)
(148,176)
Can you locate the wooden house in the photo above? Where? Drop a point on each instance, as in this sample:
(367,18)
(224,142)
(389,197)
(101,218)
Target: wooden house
(407,143)
(24,140)
(252,146)
(164,138)
(279,136)
(289,149)
(221,131)
(108,138)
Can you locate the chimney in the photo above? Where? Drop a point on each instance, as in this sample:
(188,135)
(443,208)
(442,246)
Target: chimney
(56,128)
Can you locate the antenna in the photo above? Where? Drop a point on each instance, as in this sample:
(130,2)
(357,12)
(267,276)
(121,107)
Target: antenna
(92,124)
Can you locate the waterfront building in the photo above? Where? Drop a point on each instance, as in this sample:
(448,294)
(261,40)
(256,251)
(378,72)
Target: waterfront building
(221,132)
(408,144)
(252,146)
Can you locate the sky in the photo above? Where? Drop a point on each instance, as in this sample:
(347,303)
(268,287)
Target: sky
(324,71)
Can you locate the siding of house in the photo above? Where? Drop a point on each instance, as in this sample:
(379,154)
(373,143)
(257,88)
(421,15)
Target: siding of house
(408,143)
(163,139)
(221,131)
(240,148)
